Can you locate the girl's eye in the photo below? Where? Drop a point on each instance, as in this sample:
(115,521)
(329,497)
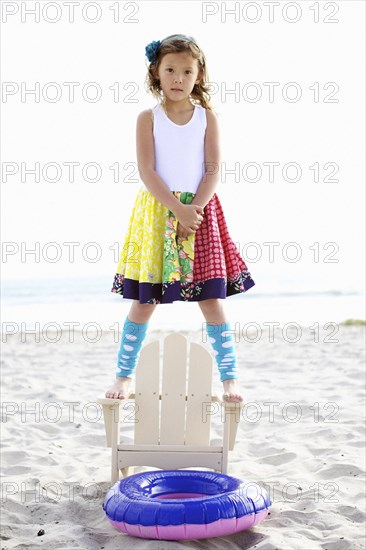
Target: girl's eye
(170,69)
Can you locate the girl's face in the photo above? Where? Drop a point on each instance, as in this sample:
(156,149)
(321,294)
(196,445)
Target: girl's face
(178,73)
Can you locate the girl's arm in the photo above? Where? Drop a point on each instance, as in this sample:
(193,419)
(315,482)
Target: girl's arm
(146,164)
(206,188)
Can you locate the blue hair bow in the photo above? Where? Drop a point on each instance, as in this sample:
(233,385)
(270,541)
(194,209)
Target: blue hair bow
(152,49)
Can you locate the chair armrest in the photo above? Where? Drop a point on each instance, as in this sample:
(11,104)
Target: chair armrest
(216,397)
(112,401)
(229,404)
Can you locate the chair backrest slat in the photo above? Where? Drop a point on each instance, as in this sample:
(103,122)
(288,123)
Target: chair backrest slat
(175,421)
(199,406)
(146,414)
(173,403)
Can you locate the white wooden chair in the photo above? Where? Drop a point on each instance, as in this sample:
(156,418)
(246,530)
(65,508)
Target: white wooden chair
(177,435)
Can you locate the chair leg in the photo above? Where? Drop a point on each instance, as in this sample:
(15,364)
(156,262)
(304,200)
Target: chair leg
(232,412)
(234,423)
(114,468)
(114,427)
(127,471)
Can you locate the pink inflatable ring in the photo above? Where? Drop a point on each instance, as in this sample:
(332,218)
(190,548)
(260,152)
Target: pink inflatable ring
(184,504)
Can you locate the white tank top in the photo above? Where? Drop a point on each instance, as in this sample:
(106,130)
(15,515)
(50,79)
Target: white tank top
(179,149)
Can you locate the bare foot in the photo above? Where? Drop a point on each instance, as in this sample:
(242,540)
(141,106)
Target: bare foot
(120,388)
(231,393)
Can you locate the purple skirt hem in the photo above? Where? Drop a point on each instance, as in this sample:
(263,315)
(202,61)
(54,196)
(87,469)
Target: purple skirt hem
(166,293)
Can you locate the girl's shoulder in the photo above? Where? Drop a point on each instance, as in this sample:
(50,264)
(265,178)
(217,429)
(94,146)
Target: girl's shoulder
(210,113)
(145,117)
(211,118)
(146,113)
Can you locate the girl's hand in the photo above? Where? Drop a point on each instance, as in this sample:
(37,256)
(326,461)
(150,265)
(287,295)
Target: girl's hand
(190,217)
(182,233)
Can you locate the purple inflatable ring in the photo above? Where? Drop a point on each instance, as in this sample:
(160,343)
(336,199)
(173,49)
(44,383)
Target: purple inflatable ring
(184,504)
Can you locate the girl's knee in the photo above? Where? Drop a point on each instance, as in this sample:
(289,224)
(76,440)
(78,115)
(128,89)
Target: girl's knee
(211,303)
(143,309)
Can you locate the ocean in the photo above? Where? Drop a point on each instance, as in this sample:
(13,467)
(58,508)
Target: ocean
(84,302)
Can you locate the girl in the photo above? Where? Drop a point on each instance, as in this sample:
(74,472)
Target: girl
(177,245)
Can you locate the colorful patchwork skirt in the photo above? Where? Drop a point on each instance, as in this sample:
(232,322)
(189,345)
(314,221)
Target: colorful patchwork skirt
(158,267)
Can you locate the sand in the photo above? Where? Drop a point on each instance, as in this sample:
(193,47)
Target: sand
(306,446)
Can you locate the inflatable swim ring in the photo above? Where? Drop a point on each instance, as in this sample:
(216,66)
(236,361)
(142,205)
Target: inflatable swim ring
(184,504)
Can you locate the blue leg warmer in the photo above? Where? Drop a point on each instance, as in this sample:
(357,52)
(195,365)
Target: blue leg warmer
(222,341)
(133,335)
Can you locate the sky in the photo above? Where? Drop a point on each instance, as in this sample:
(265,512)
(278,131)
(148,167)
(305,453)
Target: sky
(298,106)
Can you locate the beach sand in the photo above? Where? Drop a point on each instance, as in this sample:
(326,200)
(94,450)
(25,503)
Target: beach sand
(301,436)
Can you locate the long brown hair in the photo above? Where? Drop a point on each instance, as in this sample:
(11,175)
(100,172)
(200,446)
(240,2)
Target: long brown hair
(200,93)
